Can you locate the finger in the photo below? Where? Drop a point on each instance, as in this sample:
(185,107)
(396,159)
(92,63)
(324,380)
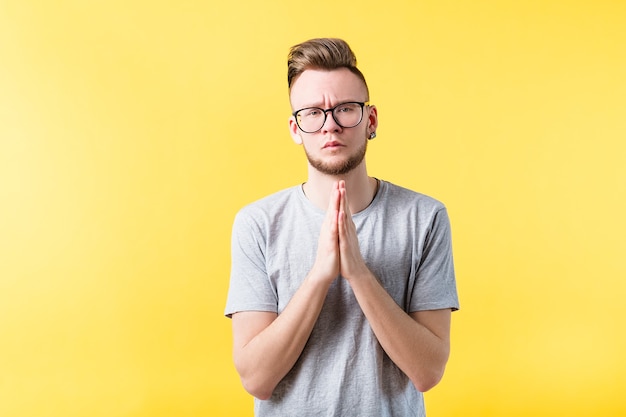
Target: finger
(344,197)
(333,207)
(333,201)
(341,192)
(337,191)
(341,226)
(344,218)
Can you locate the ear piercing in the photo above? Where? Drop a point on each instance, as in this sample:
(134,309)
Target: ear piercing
(372,135)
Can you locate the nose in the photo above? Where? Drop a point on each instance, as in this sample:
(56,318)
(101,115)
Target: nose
(330,124)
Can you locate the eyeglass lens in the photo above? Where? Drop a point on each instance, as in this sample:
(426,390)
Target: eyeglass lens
(346,115)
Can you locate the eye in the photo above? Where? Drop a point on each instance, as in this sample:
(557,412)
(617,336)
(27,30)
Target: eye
(346,108)
(312,112)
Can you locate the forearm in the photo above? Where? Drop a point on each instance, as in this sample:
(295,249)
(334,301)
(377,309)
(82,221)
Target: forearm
(266,358)
(417,350)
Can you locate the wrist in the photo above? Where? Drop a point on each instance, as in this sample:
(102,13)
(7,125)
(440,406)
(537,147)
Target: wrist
(321,277)
(362,273)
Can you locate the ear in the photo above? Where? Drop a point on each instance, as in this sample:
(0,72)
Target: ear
(372,120)
(294,131)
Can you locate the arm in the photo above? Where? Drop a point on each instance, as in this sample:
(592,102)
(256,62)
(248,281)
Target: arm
(266,345)
(418,343)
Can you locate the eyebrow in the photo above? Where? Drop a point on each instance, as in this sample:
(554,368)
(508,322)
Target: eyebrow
(320,106)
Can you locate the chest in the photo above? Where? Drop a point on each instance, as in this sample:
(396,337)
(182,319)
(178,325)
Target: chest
(391,251)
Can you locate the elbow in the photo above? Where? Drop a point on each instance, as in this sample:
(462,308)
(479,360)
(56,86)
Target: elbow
(257,390)
(253,379)
(253,382)
(429,380)
(431,373)
(424,384)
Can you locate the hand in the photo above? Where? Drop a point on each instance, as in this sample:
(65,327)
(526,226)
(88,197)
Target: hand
(351,260)
(327,260)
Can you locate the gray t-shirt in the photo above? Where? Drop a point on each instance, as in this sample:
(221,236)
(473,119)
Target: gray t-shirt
(343,371)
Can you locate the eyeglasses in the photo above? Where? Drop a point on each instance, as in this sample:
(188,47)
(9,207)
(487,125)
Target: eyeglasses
(346,115)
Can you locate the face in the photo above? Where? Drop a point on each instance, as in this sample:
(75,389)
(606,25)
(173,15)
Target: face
(333,150)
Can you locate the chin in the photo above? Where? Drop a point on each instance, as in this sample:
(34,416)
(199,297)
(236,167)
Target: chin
(341,167)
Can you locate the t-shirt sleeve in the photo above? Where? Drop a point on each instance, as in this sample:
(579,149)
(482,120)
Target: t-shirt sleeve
(250,288)
(435,284)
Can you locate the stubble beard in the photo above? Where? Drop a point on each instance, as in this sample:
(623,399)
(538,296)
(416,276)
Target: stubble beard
(341,167)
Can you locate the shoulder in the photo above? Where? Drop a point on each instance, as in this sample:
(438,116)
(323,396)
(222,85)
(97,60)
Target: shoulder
(399,196)
(268,207)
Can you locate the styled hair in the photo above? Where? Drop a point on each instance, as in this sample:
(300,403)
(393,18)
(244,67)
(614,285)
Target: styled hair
(321,53)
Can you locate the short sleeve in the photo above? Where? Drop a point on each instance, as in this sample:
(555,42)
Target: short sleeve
(435,284)
(250,288)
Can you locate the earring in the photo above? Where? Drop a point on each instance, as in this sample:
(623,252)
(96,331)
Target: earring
(372,135)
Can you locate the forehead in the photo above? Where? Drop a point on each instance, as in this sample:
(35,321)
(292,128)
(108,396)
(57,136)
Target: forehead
(317,87)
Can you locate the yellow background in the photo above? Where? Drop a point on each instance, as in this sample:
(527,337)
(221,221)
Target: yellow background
(132,131)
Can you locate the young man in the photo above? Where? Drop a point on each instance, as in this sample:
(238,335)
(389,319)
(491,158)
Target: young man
(341,288)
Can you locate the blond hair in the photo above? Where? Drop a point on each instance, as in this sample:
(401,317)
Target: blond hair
(321,53)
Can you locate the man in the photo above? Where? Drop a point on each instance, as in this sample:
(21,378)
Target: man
(341,288)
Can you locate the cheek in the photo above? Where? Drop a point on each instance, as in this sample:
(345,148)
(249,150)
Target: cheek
(308,144)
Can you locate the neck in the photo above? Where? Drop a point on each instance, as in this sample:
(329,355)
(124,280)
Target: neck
(360,188)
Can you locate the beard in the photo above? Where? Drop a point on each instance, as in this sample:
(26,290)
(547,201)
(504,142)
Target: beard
(341,167)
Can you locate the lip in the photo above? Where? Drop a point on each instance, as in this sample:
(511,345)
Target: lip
(332,144)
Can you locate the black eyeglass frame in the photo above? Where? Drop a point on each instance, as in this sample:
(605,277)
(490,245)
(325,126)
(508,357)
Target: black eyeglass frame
(332,112)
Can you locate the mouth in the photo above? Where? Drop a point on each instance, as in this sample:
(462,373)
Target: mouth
(332,144)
